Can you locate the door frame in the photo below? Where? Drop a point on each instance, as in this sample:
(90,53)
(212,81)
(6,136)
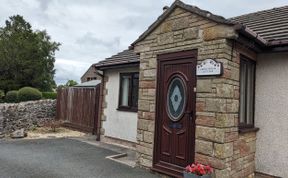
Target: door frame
(171,58)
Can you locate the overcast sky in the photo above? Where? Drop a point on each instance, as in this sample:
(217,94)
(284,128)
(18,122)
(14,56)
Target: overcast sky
(91,30)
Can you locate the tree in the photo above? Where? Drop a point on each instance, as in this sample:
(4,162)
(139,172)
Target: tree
(26,57)
(71,83)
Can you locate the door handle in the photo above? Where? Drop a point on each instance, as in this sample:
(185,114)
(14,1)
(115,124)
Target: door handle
(191,115)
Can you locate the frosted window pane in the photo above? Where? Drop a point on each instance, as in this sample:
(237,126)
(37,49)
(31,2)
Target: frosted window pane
(243,92)
(125,91)
(250,94)
(247,92)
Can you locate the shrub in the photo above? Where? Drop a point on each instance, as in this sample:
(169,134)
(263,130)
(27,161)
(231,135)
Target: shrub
(49,95)
(2,95)
(11,96)
(29,94)
(55,124)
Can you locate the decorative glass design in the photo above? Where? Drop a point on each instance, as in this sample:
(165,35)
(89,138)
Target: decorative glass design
(176,99)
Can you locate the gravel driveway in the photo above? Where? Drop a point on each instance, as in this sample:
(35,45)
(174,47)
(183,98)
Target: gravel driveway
(57,158)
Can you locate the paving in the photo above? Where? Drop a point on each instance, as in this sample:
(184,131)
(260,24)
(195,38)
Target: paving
(61,158)
(127,154)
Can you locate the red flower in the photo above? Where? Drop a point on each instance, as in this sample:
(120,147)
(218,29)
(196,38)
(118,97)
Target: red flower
(208,169)
(189,168)
(199,169)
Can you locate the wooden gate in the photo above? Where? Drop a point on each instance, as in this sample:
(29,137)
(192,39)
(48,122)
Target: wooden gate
(77,107)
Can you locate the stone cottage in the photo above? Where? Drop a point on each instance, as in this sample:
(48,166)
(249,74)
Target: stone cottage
(90,74)
(196,87)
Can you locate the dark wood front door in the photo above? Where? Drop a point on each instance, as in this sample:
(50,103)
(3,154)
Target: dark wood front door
(175,112)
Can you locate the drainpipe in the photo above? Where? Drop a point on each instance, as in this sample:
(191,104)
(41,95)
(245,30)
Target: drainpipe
(98,134)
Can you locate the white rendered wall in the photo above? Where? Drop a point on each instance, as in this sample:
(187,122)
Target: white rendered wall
(118,124)
(271,114)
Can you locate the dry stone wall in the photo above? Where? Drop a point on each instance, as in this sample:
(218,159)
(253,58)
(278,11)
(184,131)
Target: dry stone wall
(26,115)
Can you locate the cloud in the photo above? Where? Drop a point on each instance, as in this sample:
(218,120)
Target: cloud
(67,70)
(92,30)
(44,4)
(89,39)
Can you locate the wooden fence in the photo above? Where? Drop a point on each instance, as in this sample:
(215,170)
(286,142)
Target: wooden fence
(77,107)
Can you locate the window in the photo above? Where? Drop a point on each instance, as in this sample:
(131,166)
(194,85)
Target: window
(247,90)
(128,96)
(91,78)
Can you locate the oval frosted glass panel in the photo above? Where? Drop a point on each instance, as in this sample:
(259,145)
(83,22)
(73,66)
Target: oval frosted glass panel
(176,99)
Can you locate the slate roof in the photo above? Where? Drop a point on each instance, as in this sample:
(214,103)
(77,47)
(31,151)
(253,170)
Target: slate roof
(125,57)
(91,83)
(272,24)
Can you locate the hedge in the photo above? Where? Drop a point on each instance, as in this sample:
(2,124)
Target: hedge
(29,94)
(11,96)
(2,95)
(49,95)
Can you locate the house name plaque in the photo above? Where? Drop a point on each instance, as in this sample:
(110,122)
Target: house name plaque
(209,67)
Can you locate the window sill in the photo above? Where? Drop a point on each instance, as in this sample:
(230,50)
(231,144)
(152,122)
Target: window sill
(127,109)
(248,130)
